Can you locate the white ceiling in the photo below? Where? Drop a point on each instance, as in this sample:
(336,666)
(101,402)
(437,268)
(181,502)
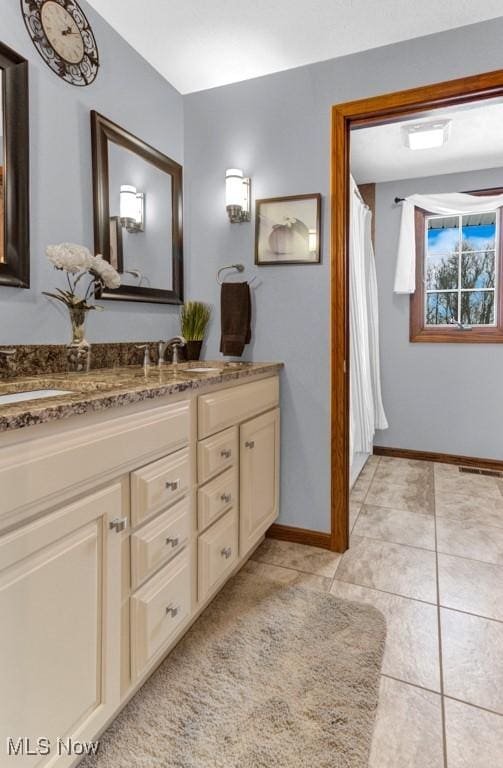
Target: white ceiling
(476,141)
(198,44)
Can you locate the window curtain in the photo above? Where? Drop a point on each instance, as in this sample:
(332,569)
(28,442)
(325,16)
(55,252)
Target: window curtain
(448,204)
(366,407)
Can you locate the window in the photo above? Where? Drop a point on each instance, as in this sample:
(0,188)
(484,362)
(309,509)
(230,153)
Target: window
(459,293)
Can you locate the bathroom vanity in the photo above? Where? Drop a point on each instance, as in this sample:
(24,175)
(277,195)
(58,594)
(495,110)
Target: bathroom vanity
(124,507)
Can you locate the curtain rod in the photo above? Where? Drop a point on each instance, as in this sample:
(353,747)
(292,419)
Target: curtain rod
(399,200)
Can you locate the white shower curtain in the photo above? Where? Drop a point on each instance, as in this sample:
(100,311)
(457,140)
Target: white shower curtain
(366,407)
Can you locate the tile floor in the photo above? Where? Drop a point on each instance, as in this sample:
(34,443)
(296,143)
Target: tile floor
(427,551)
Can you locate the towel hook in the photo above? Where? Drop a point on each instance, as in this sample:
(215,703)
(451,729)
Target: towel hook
(238,267)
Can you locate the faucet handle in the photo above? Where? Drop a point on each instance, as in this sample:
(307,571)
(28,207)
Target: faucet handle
(146,354)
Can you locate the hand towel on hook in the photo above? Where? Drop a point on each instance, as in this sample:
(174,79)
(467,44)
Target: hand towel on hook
(235,313)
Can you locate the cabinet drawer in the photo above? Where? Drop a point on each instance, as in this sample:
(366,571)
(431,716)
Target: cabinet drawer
(222,409)
(216,497)
(34,472)
(157,542)
(158,609)
(157,485)
(216,453)
(217,553)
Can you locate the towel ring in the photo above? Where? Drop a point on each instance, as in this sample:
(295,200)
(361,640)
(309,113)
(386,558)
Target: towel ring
(238,267)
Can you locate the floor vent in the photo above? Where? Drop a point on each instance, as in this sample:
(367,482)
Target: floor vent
(476,471)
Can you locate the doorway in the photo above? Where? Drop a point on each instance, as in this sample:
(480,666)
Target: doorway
(374,111)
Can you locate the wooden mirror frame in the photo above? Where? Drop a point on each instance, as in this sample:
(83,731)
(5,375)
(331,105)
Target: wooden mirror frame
(15,269)
(102,132)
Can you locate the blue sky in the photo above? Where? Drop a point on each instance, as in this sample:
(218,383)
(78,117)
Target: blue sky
(444,241)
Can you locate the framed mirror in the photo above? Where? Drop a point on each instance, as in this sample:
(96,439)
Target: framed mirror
(14,170)
(137,194)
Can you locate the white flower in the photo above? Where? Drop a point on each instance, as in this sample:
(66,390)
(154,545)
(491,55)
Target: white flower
(289,221)
(69,256)
(105,272)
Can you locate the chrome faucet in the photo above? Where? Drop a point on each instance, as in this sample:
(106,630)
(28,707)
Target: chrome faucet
(7,364)
(176,342)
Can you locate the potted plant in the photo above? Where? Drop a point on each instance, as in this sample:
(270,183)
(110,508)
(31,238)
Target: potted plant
(194,319)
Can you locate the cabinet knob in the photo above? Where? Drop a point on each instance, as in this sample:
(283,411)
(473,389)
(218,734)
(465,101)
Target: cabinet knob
(173,540)
(226,552)
(226,453)
(118,524)
(172,610)
(250,444)
(172,485)
(226,497)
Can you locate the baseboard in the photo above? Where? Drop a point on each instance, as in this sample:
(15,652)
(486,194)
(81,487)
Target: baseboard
(444,458)
(300,536)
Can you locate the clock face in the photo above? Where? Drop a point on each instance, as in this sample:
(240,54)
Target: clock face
(61,33)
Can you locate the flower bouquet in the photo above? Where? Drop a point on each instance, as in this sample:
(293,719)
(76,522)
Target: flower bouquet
(78,263)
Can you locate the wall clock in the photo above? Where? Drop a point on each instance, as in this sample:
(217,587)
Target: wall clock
(61,34)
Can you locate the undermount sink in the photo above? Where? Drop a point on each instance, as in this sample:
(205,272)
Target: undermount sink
(34,394)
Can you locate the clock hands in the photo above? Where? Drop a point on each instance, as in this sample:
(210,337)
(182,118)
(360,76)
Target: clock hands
(68,31)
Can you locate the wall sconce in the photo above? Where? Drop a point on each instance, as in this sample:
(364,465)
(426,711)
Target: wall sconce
(237,196)
(132,209)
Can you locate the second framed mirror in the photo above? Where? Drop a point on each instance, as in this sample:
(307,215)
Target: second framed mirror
(137,194)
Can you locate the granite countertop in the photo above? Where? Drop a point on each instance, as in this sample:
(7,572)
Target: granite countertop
(110,387)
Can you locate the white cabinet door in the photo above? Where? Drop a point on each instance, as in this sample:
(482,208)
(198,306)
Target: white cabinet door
(60,639)
(259,477)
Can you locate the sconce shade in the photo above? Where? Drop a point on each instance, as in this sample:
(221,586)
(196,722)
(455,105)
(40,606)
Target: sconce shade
(132,208)
(129,206)
(237,195)
(233,187)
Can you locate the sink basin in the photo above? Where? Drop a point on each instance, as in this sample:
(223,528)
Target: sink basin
(34,394)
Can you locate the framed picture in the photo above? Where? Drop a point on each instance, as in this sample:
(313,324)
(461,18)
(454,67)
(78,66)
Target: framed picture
(288,230)
(116,244)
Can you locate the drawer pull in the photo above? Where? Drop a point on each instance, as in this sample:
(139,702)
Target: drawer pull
(118,524)
(172,485)
(172,610)
(250,444)
(226,552)
(226,497)
(226,453)
(173,540)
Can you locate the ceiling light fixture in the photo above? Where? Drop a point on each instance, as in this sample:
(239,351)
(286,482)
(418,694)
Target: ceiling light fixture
(426,135)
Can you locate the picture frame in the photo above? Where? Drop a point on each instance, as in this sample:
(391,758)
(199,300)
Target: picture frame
(116,258)
(288,230)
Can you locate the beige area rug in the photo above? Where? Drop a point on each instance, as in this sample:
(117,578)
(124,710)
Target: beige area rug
(269,676)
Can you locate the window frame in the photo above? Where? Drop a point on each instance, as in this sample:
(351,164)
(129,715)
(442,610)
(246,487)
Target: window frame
(419,331)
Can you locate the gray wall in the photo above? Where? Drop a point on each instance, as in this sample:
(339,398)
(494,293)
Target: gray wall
(133,94)
(438,397)
(277,128)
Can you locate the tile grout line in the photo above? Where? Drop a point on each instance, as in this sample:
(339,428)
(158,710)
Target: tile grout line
(439,622)
(394,543)
(414,685)
(384,591)
(474,706)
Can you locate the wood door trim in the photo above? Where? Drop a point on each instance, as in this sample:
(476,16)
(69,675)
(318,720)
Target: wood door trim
(443,458)
(374,110)
(300,536)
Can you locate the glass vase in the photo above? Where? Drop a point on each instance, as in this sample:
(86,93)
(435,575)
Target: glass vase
(78,352)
